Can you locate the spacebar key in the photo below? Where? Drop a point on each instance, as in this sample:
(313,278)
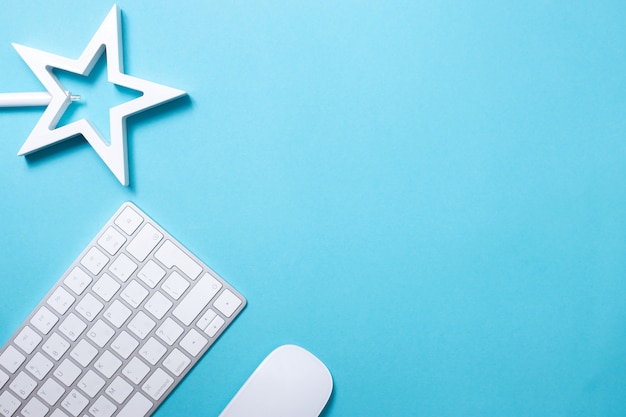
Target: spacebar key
(138,406)
(198,298)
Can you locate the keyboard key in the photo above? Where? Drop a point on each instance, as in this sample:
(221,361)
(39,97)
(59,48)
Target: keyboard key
(117,313)
(214,326)
(128,220)
(175,285)
(61,300)
(193,342)
(44,320)
(144,242)
(141,325)
(75,403)
(28,340)
(169,331)
(197,298)
(107,364)
(151,274)
(136,370)
(123,267)
(106,287)
(176,362)
(94,260)
(56,346)
(206,319)
(84,353)
(158,305)
(8,404)
(67,372)
(138,406)
(89,307)
(157,384)
(11,359)
(23,385)
(134,294)
(111,241)
(100,333)
(171,255)
(3,379)
(77,280)
(34,408)
(102,408)
(58,413)
(39,366)
(72,327)
(119,390)
(227,303)
(124,345)
(91,383)
(51,391)
(152,351)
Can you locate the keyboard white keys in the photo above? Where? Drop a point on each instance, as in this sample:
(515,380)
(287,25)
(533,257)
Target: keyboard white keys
(35,408)
(123,267)
(119,330)
(75,403)
(117,313)
(145,241)
(171,255)
(8,404)
(151,274)
(83,353)
(134,294)
(136,370)
(94,260)
(89,307)
(175,285)
(193,342)
(157,384)
(11,359)
(56,346)
(128,220)
(44,320)
(170,331)
(108,364)
(111,241)
(102,407)
(138,406)
(51,391)
(61,300)
(39,366)
(141,325)
(124,345)
(106,287)
(176,362)
(197,299)
(119,390)
(23,385)
(72,327)
(67,372)
(28,340)
(158,305)
(3,379)
(91,383)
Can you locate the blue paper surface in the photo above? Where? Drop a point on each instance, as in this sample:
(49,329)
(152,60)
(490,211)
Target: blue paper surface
(429,196)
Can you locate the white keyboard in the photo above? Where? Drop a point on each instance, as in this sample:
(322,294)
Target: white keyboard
(119,330)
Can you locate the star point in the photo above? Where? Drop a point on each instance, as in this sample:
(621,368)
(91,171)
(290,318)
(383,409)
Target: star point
(107,40)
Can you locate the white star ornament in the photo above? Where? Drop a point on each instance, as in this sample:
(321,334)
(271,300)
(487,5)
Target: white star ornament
(107,39)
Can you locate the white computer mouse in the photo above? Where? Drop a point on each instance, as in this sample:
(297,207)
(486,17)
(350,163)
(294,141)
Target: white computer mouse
(290,382)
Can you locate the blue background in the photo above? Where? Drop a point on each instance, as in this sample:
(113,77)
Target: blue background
(429,196)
